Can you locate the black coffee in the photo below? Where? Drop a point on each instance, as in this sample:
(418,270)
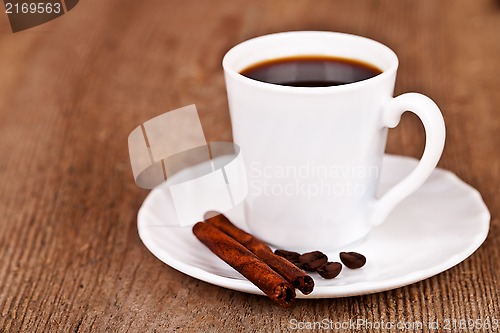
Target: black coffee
(311,71)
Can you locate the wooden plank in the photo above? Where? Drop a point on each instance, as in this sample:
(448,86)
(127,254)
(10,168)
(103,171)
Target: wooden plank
(72,89)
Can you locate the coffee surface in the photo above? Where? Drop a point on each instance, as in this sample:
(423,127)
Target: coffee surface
(311,71)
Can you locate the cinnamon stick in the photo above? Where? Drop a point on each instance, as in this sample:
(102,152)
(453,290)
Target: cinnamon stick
(245,262)
(296,276)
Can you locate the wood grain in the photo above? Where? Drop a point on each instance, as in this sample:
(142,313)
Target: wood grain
(72,89)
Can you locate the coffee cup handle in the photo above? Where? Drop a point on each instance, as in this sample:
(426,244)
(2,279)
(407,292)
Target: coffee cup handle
(435,132)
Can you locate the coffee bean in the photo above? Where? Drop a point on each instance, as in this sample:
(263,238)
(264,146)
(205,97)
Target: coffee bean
(352,260)
(330,270)
(288,255)
(299,265)
(311,261)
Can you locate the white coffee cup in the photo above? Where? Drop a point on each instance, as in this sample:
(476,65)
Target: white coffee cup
(313,155)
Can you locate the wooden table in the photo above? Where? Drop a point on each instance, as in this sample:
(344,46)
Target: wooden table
(72,89)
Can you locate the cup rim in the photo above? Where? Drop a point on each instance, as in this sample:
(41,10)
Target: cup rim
(394,63)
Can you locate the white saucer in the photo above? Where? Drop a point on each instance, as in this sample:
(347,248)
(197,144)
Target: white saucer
(437,227)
